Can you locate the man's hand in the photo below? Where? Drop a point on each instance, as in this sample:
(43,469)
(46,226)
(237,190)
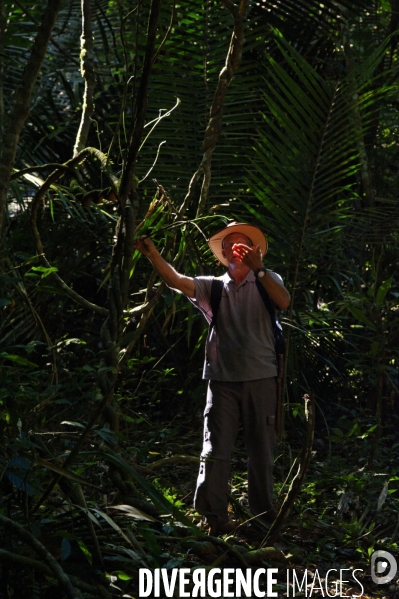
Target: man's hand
(251,257)
(145,246)
(167,273)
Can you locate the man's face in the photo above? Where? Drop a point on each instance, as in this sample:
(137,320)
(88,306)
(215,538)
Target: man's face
(228,243)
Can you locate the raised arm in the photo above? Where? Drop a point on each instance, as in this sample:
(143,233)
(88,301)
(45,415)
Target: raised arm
(167,273)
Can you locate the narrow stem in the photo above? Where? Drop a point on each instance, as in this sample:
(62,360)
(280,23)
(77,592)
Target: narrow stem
(214,128)
(45,555)
(87,71)
(361,146)
(141,103)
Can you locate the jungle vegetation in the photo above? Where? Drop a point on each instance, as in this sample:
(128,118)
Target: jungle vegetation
(170,119)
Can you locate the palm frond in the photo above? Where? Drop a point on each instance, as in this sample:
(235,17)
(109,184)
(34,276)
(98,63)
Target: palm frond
(305,175)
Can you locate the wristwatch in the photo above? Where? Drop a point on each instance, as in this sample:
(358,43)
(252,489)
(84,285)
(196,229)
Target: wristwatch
(260,272)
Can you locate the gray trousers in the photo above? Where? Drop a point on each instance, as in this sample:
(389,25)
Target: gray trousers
(254,404)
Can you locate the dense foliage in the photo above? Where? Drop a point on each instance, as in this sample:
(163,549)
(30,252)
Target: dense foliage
(105,134)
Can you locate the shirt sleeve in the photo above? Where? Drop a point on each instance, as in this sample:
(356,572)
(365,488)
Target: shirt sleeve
(202,299)
(278,279)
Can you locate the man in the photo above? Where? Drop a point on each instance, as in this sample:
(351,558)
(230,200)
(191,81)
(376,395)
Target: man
(240,365)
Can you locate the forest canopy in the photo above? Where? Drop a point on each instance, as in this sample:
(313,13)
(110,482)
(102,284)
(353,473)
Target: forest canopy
(170,119)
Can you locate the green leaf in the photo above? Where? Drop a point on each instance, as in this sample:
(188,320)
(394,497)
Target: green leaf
(122,575)
(107,435)
(70,423)
(338,431)
(382,291)
(158,498)
(85,550)
(45,271)
(65,549)
(24,481)
(66,473)
(360,315)
(133,512)
(17,359)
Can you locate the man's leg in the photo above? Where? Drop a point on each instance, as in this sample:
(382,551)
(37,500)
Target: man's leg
(221,421)
(258,415)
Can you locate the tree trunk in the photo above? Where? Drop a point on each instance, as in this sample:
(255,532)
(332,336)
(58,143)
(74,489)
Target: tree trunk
(23,95)
(3,22)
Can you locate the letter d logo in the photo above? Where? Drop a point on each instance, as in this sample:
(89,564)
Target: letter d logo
(378,568)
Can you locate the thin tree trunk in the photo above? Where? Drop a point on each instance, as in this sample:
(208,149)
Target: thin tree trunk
(113,327)
(141,103)
(364,162)
(23,96)
(87,71)
(3,22)
(378,389)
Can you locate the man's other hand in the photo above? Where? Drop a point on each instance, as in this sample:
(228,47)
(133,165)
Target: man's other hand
(145,245)
(251,257)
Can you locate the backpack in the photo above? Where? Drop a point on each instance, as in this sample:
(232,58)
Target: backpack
(216,296)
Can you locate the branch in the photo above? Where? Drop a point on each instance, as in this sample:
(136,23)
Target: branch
(20,287)
(87,71)
(34,169)
(69,475)
(231,549)
(41,567)
(71,293)
(161,45)
(126,85)
(36,202)
(23,96)
(141,326)
(174,459)
(52,40)
(74,452)
(214,127)
(45,555)
(298,479)
(141,103)
(139,310)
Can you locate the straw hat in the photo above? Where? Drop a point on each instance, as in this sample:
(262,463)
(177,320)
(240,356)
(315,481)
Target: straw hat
(253,233)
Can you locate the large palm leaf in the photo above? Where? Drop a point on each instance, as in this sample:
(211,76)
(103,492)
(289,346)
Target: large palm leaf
(305,179)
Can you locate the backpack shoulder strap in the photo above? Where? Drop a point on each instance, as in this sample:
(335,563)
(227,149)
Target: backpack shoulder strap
(216,296)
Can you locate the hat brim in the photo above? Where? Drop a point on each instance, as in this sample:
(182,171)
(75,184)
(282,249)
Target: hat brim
(250,231)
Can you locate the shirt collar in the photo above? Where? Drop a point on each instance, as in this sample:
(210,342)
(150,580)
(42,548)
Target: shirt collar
(249,278)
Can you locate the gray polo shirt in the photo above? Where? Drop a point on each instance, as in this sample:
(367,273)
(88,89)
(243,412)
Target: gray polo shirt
(241,345)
